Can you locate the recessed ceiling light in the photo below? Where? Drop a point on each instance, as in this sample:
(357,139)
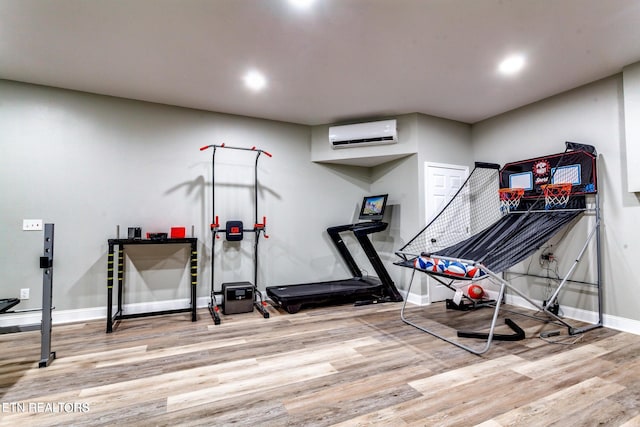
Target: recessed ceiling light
(511,65)
(255,80)
(301,4)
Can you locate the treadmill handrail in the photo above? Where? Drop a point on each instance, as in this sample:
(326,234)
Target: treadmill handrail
(361,231)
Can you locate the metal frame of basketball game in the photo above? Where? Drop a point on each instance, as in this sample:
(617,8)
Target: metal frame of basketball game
(504,284)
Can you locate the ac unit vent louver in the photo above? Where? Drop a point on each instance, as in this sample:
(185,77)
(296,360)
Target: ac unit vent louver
(363,134)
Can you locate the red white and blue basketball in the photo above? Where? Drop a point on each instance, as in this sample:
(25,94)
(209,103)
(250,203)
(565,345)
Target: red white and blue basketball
(456,269)
(424,263)
(473,272)
(475,291)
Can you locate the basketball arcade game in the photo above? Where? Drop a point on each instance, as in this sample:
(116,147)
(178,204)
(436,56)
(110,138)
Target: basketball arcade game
(245,293)
(514,212)
(359,289)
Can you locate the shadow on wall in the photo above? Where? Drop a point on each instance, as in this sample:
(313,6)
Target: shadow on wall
(148,269)
(90,290)
(385,168)
(385,241)
(170,260)
(356,175)
(197,189)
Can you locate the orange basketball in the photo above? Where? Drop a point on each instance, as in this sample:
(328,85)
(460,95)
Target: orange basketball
(475,291)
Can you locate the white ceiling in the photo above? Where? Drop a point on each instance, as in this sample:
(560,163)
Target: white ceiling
(340,61)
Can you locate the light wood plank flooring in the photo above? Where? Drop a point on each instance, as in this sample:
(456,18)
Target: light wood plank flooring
(325,366)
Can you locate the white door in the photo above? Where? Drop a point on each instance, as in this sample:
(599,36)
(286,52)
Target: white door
(442,181)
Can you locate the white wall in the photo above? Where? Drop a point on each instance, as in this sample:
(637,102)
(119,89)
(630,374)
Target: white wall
(440,141)
(88,163)
(631,86)
(398,171)
(366,155)
(592,114)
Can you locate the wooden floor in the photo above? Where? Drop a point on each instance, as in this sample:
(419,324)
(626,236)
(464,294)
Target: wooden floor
(325,366)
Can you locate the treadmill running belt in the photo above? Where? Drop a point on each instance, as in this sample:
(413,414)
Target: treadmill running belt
(292,297)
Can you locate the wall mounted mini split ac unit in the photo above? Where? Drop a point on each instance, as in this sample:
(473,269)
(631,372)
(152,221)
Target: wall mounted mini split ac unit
(363,134)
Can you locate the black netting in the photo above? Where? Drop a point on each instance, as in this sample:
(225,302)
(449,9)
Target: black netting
(512,239)
(474,226)
(474,208)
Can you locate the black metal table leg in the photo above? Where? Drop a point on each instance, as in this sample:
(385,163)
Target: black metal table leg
(194,279)
(110,288)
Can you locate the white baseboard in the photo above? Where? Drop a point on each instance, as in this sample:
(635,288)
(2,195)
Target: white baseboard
(414,298)
(613,322)
(57,316)
(94,313)
(97,313)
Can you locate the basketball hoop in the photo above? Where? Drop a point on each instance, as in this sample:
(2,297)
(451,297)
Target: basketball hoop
(556,195)
(510,198)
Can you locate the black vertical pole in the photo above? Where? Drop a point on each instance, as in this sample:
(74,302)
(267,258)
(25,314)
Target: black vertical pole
(213,221)
(46,262)
(194,278)
(120,269)
(599,261)
(255,221)
(259,303)
(213,305)
(110,266)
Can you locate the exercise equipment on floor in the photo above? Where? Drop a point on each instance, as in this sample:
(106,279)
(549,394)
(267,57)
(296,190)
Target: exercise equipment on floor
(360,289)
(514,211)
(46,264)
(238,297)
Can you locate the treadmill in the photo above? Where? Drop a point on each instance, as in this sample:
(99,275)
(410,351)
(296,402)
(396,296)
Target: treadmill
(358,289)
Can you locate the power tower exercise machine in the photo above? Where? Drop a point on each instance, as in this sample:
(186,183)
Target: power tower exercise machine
(359,289)
(238,297)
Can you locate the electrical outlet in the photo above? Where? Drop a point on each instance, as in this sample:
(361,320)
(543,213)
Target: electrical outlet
(24,293)
(32,225)
(547,257)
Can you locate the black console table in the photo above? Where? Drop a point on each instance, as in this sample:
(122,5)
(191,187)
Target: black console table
(117,268)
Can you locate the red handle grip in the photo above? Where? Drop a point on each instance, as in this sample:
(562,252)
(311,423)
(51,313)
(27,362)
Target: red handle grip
(262,151)
(261,225)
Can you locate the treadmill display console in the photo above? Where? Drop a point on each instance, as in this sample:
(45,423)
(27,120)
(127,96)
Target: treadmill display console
(372,208)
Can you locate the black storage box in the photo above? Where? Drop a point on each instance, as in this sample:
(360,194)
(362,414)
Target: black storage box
(237,297)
